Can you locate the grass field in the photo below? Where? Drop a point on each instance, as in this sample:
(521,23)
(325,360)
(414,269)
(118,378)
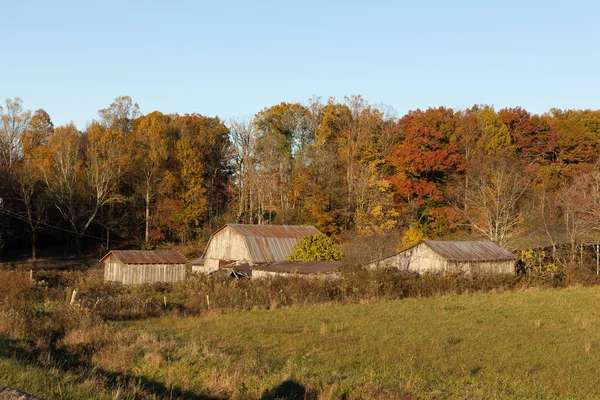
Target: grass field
(531,344)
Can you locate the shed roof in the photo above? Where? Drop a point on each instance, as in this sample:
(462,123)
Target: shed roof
(469,250)
(147,256)
(301,267)
(267,243)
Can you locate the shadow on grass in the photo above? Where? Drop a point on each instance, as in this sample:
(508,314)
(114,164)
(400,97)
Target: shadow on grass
(290,390)
(68,362)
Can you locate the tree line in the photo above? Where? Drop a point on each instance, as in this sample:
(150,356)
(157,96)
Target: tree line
(358,172)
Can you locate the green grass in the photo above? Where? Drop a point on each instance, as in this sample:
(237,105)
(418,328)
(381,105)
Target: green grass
(49,382)
(536,344)
(532,344)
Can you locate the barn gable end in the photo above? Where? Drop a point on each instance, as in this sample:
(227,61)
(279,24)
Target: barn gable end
(252,243)
(451,256)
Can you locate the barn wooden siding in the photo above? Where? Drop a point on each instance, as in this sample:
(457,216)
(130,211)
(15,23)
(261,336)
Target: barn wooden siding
(253,243)
(205,269)
(225,244)
(144,266)
(134,274)
(422,258)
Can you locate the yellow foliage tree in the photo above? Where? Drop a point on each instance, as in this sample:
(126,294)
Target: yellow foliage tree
(412,236)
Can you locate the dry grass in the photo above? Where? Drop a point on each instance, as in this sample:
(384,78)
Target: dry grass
(13,285)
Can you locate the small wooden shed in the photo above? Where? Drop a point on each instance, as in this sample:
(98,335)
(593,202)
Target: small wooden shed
(451,256)
(251,243)
(133,267)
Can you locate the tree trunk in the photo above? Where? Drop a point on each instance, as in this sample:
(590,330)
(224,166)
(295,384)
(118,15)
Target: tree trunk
(33,244)
(78,243)
(147,214)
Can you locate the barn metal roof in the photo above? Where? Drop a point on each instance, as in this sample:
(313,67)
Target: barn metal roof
(147,256)
(270,242)
(275,231)
(469,251)
(301,267)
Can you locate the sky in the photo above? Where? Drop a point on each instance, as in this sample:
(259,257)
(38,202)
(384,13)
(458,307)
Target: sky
(234,58)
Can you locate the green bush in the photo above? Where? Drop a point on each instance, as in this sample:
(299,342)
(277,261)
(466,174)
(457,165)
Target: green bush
(317,247)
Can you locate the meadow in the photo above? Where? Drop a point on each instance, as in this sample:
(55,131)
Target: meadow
(527,342)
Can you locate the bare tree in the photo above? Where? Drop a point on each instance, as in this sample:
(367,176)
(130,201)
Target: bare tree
(243,147)
(120,114)
(30,194)
(13,122)
(493,198)
(579,203)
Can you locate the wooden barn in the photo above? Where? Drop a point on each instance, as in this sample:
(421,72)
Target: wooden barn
(306,269)
(452,256)
(251,243)
(133,267)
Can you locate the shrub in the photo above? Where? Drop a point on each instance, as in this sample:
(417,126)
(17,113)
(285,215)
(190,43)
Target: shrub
(317,247)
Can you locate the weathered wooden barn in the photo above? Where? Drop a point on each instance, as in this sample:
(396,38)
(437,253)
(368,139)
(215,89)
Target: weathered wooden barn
(451,256)
(143,266)
(251,243)
(326,269)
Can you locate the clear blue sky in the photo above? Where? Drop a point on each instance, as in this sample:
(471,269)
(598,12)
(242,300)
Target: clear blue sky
(233,58)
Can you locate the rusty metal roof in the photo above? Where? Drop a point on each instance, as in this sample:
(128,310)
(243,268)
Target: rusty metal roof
(301,267)
(270,242)
(147,256)
(469,251)
(275,231)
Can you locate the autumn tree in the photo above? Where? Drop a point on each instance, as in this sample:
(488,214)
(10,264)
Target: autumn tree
(577,147)
(37,132)
(81,173)
(323,188)
(149,150)
(423,163)
(28,180)
(200,171)
(282,132)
